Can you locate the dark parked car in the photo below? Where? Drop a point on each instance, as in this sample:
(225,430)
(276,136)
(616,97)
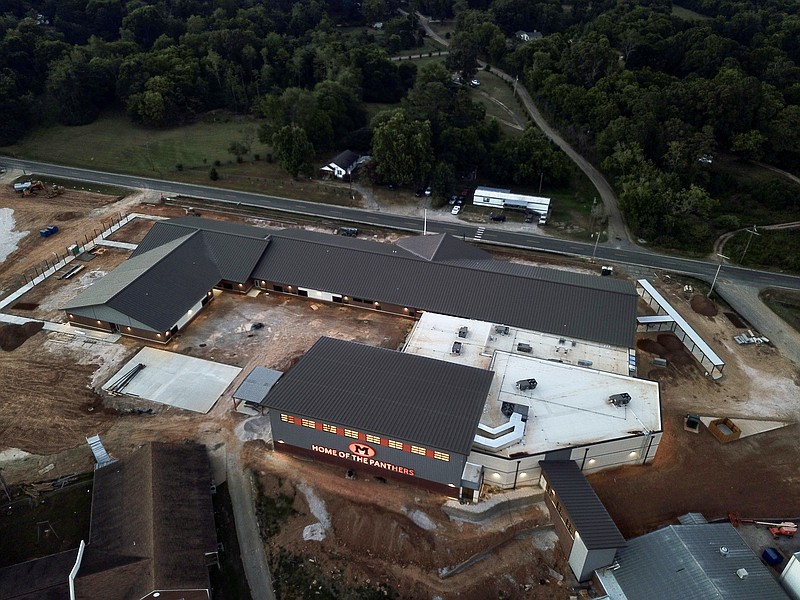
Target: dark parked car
(529,217)
(497,217)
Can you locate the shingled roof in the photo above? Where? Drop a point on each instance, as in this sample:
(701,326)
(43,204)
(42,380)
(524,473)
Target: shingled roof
(152,522)
(152,526)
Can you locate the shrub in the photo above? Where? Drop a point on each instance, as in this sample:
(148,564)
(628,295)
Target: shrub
(213,175)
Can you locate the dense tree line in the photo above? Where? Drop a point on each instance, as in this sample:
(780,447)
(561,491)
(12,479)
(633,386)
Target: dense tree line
(169,60)
(286,62)
(651,97)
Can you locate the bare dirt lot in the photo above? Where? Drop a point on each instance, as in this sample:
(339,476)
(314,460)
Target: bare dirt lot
(692,472)
(377,532)
(391,535)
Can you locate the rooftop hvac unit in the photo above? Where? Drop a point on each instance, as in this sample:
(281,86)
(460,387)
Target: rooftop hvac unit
(507,409)
(462,332)
(501,329)
(524,348)
(584,363)
(456,348)
(526,384)
(620,399)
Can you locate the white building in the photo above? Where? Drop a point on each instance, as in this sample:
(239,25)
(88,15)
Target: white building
(500,198)
(566,415)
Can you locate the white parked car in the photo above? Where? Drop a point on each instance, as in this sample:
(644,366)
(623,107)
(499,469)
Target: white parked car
(474,83)
(456,209)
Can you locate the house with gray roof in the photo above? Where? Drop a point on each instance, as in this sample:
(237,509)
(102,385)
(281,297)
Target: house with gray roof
(342,165)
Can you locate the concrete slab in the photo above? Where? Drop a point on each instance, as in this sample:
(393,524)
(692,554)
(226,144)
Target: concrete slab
(176,380)
(750,426)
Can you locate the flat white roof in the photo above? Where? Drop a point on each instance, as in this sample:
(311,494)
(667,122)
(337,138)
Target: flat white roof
(691,333)
(176,379)
(539,201)
(569,406)
(433,336)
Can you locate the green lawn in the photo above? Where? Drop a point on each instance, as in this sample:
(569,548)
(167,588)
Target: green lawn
(495,92)
(113,143)
(687,14)
(443,27)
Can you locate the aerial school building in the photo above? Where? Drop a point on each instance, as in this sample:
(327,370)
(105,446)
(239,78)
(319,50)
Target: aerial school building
(522,364)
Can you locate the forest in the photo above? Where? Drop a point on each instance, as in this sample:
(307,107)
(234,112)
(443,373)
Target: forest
(650,95)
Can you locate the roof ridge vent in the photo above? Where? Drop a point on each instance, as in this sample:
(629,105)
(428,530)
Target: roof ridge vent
(723,550)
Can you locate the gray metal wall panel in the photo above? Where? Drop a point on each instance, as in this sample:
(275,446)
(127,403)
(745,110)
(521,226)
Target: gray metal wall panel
(445,472)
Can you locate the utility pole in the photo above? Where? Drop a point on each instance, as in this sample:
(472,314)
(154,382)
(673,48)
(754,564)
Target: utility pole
(750,239)
(597,239)
(516,80)
(723,257)
(541,176)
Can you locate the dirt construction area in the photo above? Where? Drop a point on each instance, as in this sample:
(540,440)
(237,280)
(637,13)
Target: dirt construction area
(365,532)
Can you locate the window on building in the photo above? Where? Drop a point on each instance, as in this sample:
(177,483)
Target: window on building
(396,445)
(350,433)
(441,455)
(373,439)
(418,450)
(287,418)
(329,428)
(309,423)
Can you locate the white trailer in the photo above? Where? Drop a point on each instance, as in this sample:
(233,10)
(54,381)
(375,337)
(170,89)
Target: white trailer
(500,198)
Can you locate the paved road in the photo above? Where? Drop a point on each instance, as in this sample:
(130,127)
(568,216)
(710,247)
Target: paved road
(491,233)
(251,546)
(616,224)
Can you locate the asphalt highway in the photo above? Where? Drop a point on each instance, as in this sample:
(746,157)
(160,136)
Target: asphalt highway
(490,233)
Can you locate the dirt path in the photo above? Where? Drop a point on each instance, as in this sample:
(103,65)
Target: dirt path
(616,224)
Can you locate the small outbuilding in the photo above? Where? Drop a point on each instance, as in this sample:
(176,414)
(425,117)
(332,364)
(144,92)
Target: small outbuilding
(587,532)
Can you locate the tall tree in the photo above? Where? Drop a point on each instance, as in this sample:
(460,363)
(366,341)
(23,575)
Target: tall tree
(293,150)
(402,148)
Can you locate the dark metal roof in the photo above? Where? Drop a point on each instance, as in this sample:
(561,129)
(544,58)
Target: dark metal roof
(433,403)
(585,307)
(587,513)
(235,251)
(152,290)
(257,385)
(441,247)
(439,274)
(685,561)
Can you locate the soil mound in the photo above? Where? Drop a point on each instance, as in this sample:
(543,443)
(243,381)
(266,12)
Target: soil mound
(12,335)
(703,306)
(669,341)
(67,216)
(651,346)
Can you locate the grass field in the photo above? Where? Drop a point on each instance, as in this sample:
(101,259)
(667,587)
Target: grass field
(687,14)
(113,143)
(499,100)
